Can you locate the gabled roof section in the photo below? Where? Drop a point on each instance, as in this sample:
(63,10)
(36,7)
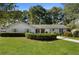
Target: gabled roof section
(39,26)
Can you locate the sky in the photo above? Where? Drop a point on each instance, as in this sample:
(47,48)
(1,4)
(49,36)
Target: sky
(26,6)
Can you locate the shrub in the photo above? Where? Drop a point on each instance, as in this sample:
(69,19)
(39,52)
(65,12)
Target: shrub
(76,34)
(42,36)
(68,34)
(12,34)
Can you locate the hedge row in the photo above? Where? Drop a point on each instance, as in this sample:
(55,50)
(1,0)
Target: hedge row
(42,36)
(12,34)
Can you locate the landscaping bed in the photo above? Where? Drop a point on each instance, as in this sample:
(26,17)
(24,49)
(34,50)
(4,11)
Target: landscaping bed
(42,36)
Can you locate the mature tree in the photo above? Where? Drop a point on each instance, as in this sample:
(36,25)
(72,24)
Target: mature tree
(71,11)
(56,14)
(25,15)
(16,15)
(38,15)
(6,11)
(2,6)
(11,7)
(7,6)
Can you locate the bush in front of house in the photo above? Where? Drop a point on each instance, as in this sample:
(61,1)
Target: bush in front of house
(12,34)
(41,36)
(75,32)
(68,34)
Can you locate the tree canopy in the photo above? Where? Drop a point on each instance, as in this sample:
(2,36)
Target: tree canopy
(38,14)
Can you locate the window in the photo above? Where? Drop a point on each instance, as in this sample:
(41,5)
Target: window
(53,29)
(37,30)
(42,30)
(27,31)
(61,30)
(15,30)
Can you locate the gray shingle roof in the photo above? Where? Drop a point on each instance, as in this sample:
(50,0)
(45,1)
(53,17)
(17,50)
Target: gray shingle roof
(41,26)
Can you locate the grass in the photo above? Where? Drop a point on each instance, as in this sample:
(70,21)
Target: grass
(24,46)
(76,38)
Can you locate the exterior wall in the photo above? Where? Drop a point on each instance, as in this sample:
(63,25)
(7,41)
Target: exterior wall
(32,30)
(20,28)
(2,30)
(52,30)
(64,30)
(47,30)
(55,30)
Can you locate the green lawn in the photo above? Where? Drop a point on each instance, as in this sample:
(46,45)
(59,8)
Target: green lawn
(76,38)
(21,46)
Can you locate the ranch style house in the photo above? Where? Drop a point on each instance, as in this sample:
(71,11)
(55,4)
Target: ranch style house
(22,27)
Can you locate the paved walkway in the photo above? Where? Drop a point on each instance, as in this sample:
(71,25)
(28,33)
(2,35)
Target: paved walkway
(68,39)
